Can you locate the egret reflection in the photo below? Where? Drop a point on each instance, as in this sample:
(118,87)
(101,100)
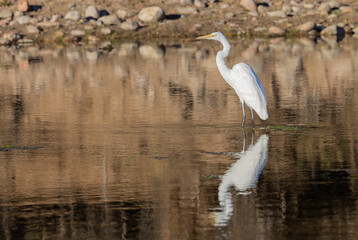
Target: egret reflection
(242,175)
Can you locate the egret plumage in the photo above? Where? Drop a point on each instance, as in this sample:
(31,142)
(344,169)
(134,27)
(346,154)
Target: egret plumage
(243,79)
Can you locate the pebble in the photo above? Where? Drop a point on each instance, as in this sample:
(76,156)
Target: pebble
(186,2)
(4,41)
(18,14)
(324,9)
(332,30)
(200,4)
(308,5)
(124,13)
(23,5)
(151,14)
(78,33)
(262,8)
(73,16)
(187,10)
(105,31)
(129,25)
(260,29)
(276,31)
(277,13)
(249,5)
(334,4)
(12,36)
(306,27)
(110,20)
(22,20)
(5,13)
(347,9)
(91,12)
(31,29)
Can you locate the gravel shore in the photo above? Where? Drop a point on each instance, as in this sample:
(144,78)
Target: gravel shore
(102,22)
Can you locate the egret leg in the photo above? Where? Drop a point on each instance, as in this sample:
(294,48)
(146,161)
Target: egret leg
(252,137)
(244,139)
(243,114)
(252,118)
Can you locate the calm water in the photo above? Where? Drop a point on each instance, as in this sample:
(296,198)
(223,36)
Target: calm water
(145,142)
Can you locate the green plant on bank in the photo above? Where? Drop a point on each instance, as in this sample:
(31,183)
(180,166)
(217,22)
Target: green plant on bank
(60,40)
(113,36)
(5,3)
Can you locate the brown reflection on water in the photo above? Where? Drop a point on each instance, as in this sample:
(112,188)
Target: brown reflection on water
(117,145)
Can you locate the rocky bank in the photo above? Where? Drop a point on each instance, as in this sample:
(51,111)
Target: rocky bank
(102,22)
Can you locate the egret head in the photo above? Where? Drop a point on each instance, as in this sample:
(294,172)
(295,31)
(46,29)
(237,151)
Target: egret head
(213,36)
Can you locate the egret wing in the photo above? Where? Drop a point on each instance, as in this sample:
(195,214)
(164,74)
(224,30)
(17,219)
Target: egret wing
(249,88)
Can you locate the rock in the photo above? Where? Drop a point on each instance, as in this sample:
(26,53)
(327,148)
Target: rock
(54,18)
(334,4)
(151,14)
(276,31)
(5,13)
(186,2)
(249,5)
(260,29)
(105,31)
(78,33)
(48,24)
(187,10)
(306,27)
(110,20)
(262,8)
(124,13)
(31,29)
(200,4)
(18,14)
(4,42)
(23,5)
(277,13)
(91,12)
(130,25)
(332,30)
(73,16)
(324,9)
(23,20)
(355,30)
(347,9)
(12,36)
(308,5)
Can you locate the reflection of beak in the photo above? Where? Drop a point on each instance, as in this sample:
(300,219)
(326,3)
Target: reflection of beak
(206,36)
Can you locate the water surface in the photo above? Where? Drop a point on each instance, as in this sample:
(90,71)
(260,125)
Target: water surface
(145,142)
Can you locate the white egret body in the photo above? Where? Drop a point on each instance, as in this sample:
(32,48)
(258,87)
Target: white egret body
(242,79)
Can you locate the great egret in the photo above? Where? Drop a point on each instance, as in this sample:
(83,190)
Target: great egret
(242,79)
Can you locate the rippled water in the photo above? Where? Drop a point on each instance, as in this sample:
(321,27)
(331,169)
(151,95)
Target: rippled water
(145,142)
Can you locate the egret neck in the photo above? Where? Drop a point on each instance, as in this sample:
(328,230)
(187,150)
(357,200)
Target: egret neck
(220,59)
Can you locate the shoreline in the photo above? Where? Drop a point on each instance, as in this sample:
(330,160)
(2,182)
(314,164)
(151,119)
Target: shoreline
(68,22)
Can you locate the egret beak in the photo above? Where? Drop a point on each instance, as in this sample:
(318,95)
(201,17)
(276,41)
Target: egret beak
(206,36)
